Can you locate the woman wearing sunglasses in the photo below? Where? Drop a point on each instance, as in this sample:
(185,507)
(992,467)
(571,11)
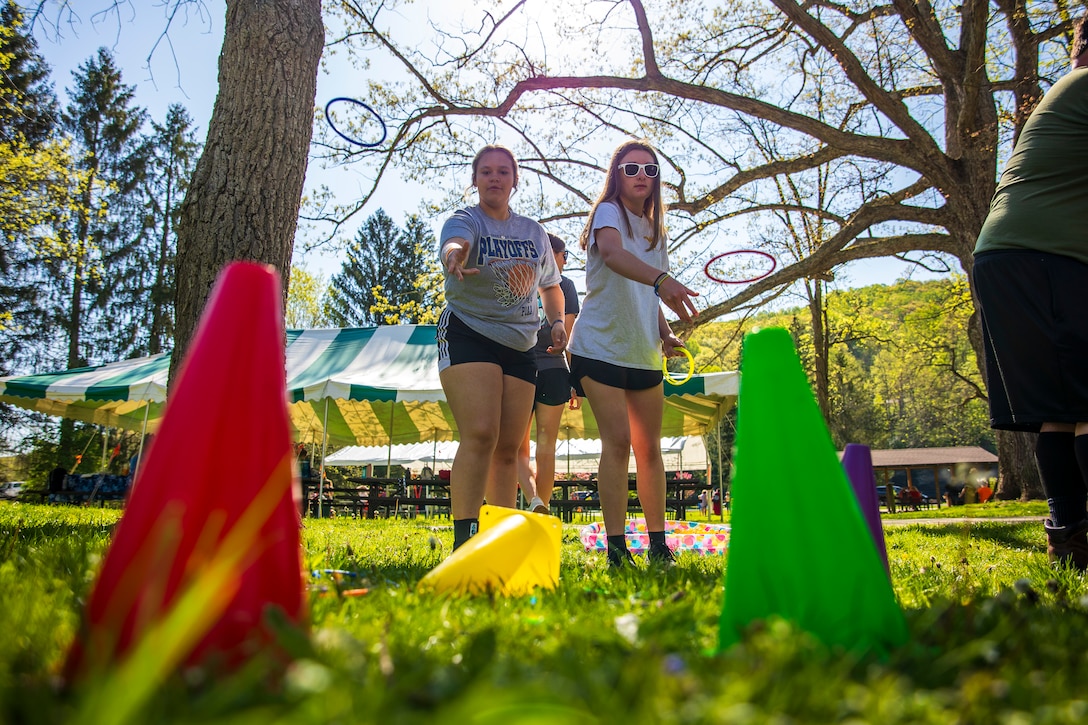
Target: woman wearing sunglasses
(495,262)
(619,337)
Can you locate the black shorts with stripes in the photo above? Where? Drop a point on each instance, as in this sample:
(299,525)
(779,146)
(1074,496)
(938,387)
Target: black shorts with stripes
(458,343)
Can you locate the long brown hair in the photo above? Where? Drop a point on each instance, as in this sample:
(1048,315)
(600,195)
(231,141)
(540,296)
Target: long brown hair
(653,209)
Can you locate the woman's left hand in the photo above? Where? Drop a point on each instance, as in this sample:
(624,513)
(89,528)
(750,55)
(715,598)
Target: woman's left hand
(559,339)
(670,346)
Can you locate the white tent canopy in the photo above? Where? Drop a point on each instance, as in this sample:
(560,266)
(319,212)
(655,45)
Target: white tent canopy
(432,454)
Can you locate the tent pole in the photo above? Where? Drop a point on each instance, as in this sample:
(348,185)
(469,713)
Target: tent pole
(389,456)
(721,489)
(324,447)
(140,450)
(105,444)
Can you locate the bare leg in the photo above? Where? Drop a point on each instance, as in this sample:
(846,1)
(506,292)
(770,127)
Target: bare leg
(610,409)
(644,411)
(516,406)
(526,477)
(478,418)
(547,433)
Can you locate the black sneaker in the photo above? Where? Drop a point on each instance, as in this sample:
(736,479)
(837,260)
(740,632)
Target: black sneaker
(620,558)
(662,557)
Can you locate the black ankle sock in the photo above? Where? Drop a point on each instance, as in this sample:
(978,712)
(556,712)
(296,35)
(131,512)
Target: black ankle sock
(463,530)
(617,543)
(657,540)
(1080,450)
(1061,477)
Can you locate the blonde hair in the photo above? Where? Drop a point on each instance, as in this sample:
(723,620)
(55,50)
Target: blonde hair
(653,209)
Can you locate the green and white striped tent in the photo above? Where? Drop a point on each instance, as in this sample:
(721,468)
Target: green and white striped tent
(363,386)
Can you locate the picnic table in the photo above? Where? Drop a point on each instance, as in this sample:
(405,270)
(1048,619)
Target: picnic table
(88,488)
(675,498)
(370,497)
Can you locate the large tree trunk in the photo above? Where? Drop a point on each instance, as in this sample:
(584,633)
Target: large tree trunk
(1019,476)
(244,199)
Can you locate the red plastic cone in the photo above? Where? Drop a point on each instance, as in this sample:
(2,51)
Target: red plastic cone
(210,535)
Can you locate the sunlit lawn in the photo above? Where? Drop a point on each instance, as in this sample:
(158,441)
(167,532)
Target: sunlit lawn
(996,636)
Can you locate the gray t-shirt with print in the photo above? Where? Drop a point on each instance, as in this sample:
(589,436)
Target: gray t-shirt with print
(514,258)
(618,321)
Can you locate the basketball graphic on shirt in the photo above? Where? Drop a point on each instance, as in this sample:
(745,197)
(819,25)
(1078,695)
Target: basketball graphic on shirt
(514,280)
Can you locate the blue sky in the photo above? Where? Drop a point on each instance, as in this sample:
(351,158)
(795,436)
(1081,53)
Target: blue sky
(182,66)
(179,67)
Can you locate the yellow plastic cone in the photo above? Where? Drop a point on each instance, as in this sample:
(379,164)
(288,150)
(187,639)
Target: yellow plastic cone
(799,547)
(513,553)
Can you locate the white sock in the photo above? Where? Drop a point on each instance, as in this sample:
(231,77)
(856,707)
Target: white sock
(537,501)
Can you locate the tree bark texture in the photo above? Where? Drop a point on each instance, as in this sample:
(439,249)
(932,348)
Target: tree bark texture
(243,202)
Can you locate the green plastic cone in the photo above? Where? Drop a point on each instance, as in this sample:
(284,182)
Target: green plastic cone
(799,547)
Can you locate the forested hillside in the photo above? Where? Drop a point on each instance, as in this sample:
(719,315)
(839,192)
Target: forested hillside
(901,371)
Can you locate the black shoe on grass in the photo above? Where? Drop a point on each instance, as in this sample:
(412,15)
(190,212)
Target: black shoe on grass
(619,559)
(661,557)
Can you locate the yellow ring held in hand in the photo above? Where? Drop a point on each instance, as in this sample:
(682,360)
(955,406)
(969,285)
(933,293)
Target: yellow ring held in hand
(691,368)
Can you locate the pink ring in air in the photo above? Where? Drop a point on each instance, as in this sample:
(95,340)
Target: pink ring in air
(706,269)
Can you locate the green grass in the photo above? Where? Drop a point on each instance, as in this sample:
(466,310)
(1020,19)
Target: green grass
(996,636)
(993,509)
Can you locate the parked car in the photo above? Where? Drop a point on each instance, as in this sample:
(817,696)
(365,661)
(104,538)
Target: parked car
(881,492)
(11,489)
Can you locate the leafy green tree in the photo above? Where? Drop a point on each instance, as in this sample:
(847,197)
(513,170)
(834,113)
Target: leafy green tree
(380,279)
(922,96)
(902,371)
(34,169)
(304,308)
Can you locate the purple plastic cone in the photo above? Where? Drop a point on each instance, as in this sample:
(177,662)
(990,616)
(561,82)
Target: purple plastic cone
(857,461)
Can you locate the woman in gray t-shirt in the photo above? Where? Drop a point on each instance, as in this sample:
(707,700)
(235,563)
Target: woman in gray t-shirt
(495,263)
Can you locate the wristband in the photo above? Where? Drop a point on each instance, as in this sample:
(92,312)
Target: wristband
(446,257)
(657,283)
(556,322)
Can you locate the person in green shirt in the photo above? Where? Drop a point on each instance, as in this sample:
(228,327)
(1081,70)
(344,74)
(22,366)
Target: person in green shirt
(1031,278)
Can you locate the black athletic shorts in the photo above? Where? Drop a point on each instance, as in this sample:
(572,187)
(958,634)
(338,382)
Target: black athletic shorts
(458,343)
(552,386)
(614,376)
(1035,328)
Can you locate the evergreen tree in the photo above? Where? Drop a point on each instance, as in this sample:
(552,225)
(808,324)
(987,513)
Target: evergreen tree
(91,265)
(382,268)
(28,106)
(170,152)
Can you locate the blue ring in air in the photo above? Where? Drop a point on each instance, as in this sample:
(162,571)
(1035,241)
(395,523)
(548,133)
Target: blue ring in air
(349,139)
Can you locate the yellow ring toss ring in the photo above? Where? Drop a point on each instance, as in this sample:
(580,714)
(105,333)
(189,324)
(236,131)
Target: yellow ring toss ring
(691,367)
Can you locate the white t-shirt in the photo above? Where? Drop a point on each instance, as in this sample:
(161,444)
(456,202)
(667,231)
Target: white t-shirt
(515,258)
(618,321)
